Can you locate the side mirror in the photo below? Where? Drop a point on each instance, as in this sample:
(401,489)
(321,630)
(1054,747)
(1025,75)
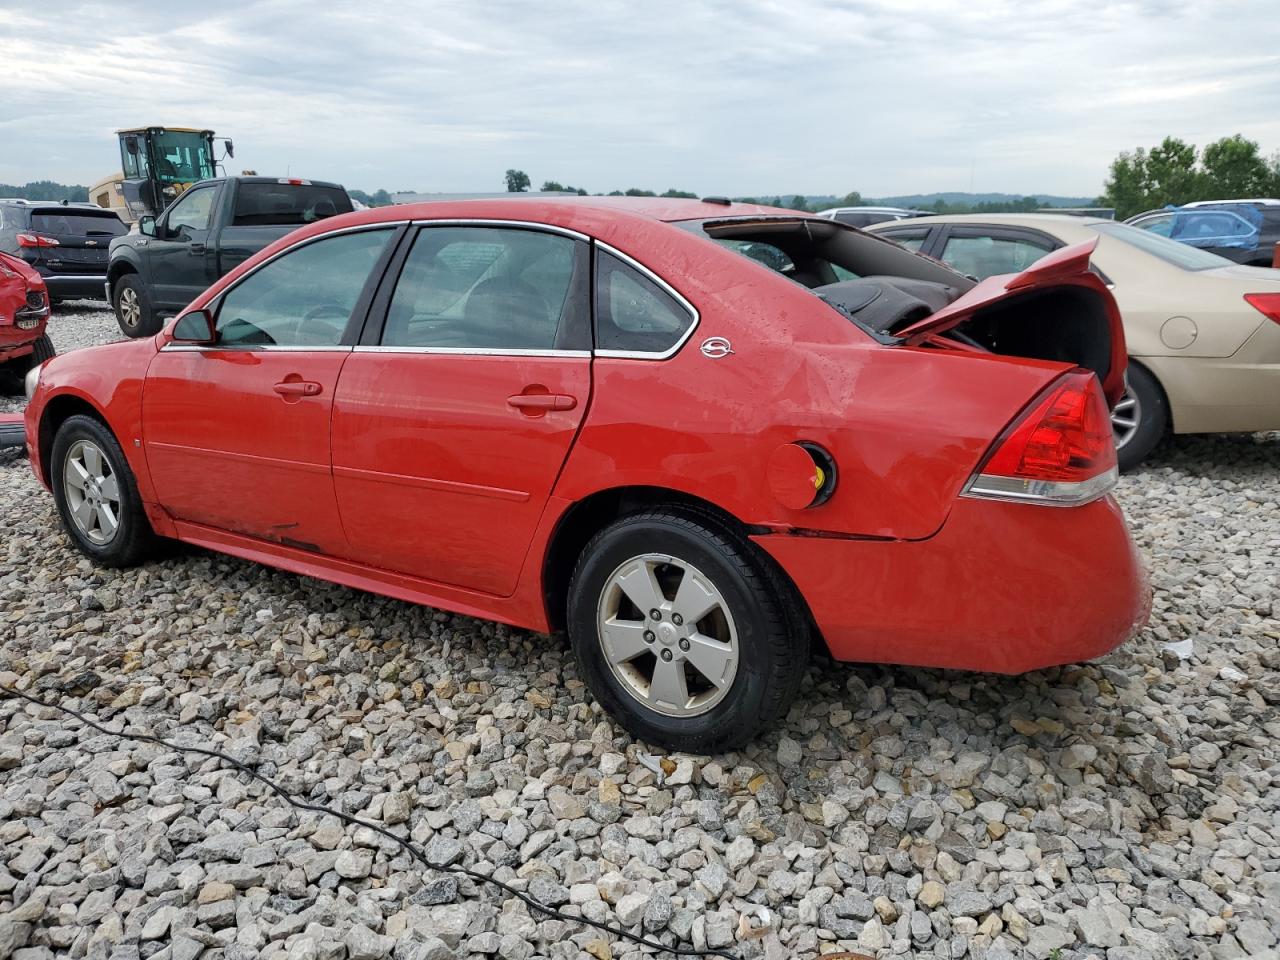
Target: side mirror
(231,148)
(195,327)
(147,225)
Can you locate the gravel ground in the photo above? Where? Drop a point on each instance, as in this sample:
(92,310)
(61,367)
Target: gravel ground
(1127,809)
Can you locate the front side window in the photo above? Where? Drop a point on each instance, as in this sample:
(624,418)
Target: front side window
(192,211)
(984,257)
(633,313)
(489,288)
(1160,225)
(303,298)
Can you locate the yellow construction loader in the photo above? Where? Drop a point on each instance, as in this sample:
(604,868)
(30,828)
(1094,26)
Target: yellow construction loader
(157,164)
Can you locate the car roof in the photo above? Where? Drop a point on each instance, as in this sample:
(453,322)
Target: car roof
(667,209)
(1043,220)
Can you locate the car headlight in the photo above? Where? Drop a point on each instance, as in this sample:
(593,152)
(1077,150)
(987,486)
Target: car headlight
(32,380)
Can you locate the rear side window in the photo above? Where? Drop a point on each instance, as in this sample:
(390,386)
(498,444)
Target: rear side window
(633,313)
(70,223)
(984,257)
(303,298)
(490,288)
(284,203)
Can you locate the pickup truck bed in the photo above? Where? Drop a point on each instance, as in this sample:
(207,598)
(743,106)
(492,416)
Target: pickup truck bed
(211,228)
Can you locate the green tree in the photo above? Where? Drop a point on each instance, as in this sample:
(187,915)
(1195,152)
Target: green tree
(1233,167)
(517,181)
(551,186)
(637,192)
(680,194)
(798,202)
(851,199)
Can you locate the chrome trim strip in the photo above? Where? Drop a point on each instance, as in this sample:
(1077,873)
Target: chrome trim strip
(249,347)
(1048,493)
(672,291)
(490,222)
(474,351)
(100,277)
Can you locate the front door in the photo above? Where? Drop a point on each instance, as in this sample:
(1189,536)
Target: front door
(179,267)
(237,433)
(452,421)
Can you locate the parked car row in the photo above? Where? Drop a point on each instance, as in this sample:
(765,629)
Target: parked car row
(695,435)
(1203,333)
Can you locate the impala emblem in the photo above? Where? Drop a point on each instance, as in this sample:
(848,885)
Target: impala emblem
(716,348)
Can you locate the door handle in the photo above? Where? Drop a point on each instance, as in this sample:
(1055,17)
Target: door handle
(297,388)
(538,402)
(196,248)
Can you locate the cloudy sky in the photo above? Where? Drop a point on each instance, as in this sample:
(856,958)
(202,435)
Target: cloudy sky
(725,96)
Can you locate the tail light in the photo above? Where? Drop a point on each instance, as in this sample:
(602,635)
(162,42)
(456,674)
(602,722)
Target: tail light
(1059,452)
(35,240)
(1268,304)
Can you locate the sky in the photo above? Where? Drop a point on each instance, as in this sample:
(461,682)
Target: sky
(739,97)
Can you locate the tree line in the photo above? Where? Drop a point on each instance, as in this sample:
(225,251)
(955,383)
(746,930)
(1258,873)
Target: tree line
(1177,172)
(46,190)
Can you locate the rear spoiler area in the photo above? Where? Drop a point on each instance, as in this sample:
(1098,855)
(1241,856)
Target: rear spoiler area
(1057,309)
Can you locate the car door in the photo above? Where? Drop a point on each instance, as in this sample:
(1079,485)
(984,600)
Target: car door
(455,414)
(236,433)
(179,268)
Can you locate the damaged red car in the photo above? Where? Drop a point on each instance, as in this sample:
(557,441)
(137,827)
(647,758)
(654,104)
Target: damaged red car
(697,436)
(24,312)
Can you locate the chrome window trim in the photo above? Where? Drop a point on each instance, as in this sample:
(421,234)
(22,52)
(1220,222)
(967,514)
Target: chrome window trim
(490,222)
(241,348)
(100,277)
(473,351)
(671,291)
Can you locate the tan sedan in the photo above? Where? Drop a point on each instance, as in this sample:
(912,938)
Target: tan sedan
(1203,332)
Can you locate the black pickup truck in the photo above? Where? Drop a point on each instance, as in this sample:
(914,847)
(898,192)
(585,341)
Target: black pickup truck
(214,226)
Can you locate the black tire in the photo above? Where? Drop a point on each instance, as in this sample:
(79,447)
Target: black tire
(41,351)
(133,540)
(1153,418)
(130,292)
(772,633)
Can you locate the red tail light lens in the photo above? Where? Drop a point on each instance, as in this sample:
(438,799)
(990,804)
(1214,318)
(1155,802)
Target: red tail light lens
(35,240)
(1061,451)
(1268,304)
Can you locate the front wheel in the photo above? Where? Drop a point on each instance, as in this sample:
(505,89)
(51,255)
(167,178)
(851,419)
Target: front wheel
(134,313)
(1140,418)
(96,495)
(683,633)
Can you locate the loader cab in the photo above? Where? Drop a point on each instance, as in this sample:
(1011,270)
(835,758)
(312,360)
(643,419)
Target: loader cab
(159,163)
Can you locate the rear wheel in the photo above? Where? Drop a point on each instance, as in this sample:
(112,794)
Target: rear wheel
(97,496)
(134,313)
(687,637)
(1140,419)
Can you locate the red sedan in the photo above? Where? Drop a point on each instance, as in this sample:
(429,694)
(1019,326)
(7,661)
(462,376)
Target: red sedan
(24,312)
(693,434)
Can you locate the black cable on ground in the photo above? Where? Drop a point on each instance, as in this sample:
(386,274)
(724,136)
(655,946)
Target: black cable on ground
(356,821)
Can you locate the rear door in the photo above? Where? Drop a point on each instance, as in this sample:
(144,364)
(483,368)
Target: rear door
(237,432)
(176,255)
(455,414)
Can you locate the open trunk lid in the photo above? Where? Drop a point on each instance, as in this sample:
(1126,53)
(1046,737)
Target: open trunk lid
(1056,309)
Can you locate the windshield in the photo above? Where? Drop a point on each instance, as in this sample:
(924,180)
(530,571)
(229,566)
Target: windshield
(1170,251)
(182,157)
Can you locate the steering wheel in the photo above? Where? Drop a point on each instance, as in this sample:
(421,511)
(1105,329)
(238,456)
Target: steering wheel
(312,329)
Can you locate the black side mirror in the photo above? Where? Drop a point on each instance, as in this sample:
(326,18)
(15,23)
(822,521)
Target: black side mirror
(231,148)
(197,326)
(147,225)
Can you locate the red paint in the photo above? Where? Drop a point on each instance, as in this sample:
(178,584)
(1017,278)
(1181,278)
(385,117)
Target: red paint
(17,281)
(441,478)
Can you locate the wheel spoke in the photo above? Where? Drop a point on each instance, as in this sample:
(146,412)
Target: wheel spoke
(712,658)
(623,639)
(1123,423)
(106,519)
(668,685)
(110,488)
(641,587)
(83,512)
(77,475)
(92,460)
(694,599)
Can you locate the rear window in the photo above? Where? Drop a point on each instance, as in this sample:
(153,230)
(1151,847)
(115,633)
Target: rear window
(1170,251)
(262,204)
(71,223)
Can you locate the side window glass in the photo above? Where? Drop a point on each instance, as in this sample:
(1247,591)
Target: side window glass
(192,211)
(303,298)
(633,313)
(489,288)
(1160,226)
(984,257)
(912,241)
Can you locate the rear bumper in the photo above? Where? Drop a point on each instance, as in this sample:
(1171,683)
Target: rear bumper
(87,286)
(1002,587)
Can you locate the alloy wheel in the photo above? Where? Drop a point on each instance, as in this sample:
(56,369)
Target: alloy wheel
(1125,417)
(92,491)
(668,635)
(130,307)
